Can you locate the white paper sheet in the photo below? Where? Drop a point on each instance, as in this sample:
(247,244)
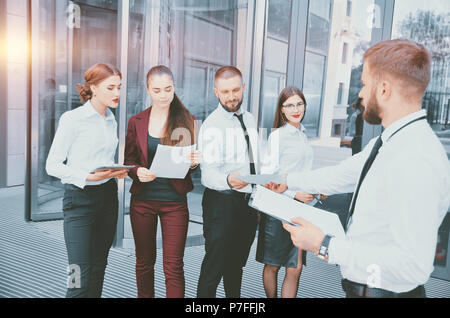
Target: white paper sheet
(286,209)
(262,179)
(171,162)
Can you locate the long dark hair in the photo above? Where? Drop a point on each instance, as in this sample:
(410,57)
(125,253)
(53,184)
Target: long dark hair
(287,92)
(179,116)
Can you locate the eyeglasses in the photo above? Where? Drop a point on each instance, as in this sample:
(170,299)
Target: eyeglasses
(291,107)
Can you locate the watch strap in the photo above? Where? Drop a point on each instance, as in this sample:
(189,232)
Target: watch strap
(323,250)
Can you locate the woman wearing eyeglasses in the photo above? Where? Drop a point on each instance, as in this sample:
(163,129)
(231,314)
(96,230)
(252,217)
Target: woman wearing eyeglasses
(288,151)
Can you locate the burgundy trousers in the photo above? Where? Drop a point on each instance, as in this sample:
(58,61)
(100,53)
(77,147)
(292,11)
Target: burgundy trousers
(174,218)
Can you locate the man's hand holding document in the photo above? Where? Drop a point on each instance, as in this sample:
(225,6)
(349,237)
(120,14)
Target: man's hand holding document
(285,209)
(262,179)
(172,162)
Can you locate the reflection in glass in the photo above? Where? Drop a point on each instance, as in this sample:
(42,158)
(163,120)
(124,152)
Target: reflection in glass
(440,258)
(193,38)
(361,33)
(312,89)
(428,23)
(275,59)
(318,26)
(64,55)
(201,37)
(319,16)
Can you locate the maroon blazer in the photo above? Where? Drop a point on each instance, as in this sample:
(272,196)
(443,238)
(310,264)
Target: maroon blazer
(136,153)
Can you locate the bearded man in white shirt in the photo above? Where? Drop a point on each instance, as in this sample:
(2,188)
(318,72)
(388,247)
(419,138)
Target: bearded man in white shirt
(401,184)
(228,140)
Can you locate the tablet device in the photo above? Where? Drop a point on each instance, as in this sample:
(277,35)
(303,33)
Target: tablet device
(113,167)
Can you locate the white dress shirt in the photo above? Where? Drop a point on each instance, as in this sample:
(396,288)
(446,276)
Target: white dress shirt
(224,148)
(287,151)
(87,141)
(391,241)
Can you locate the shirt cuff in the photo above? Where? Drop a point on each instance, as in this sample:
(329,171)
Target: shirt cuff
(229,185)
(290,194)
(338,251)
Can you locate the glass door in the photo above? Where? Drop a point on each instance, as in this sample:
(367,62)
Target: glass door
(67,38)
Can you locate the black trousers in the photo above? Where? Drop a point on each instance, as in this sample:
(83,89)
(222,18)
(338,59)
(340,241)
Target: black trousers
(229,228)
(90,219)
(356,290)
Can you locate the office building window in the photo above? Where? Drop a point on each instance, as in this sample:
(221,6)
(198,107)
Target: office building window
(340,93)
(317,41)
(349,8)
(275,59)
(344,53)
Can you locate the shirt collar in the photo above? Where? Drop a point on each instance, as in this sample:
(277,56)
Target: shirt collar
(294,130)
(89,110)
(387,133)
(226,114)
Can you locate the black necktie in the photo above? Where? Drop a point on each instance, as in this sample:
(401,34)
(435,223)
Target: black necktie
(249,147)
(365,169)
(367,166)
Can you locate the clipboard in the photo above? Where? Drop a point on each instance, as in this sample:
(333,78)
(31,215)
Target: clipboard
(285,209)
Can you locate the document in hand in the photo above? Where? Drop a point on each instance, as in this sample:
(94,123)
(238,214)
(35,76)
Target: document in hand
(171,162)
(285,209)
(262,179)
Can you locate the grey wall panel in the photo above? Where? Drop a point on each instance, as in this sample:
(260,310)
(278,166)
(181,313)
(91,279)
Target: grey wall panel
(3,98)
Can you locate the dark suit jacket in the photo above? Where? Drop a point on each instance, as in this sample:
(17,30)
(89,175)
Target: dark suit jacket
(136,153)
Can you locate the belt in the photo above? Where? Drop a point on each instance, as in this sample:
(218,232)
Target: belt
(69,186)
(242,195)
(245,196)
(353,289)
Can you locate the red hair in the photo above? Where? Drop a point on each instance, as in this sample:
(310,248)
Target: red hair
(404,60)
(94,76)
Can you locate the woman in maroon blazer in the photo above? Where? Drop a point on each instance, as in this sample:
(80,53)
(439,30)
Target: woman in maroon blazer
(166,122)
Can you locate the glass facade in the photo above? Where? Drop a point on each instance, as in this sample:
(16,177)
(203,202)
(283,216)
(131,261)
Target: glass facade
(66,48)
(318,35)
(275,59)
(429,23)
(362,36)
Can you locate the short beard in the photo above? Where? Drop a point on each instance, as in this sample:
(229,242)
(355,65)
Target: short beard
(371,111)
(236,108)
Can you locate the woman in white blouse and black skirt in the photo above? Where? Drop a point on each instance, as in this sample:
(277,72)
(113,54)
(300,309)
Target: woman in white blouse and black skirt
(288,151)
(86,139)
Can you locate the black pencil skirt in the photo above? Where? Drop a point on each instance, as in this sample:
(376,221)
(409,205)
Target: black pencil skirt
(275,246)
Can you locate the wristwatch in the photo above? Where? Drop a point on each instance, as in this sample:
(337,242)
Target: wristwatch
(323,249)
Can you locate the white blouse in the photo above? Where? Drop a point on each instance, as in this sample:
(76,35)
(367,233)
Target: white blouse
(87,141)
(287,151)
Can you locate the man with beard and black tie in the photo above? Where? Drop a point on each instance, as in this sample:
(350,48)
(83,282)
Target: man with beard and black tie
(400,180)
(228,141)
